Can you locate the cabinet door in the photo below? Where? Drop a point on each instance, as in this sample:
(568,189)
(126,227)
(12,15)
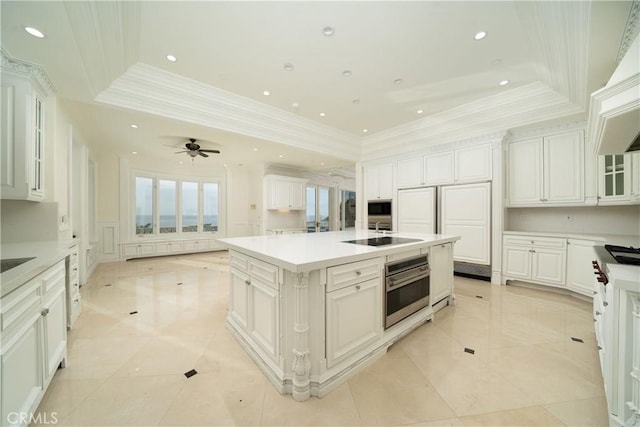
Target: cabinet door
(473,164)
(280,195)
(386,181)
(564,168)
(441,280)
(55,331)
(264,313)
(465,211)
(635,177)
(417,210)
(548,266)
(410,172)
(580,253)
(525,172)
(378,181)
(615,178)
(21,353)
(517,262)
(371,183)
(438,168)
(36,181)
(296,196)
(239,297)
(354,319)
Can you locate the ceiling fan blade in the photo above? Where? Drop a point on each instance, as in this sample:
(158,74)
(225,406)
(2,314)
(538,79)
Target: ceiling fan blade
(183,151)
(203,154)
(210,151)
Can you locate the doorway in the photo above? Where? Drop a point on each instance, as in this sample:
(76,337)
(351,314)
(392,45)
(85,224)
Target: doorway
(318,214)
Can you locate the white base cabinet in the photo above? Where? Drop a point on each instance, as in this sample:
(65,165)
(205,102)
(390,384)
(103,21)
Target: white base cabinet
(166,247)
(33,342)
(534,259)
(441,279)
(580,254)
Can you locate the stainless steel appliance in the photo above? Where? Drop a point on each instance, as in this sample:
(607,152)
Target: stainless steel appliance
(382,241)
(379,214)
(407,288)
(624,255)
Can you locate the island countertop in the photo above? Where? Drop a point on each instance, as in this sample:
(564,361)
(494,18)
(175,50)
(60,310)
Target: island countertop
(309,251)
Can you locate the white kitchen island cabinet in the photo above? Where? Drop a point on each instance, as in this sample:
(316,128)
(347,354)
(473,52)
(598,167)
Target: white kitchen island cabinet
(310,308)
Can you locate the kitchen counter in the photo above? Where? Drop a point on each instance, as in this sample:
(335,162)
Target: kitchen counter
(309,251)
(45,254)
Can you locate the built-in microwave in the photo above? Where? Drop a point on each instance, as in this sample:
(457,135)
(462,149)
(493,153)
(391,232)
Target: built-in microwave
(379,214)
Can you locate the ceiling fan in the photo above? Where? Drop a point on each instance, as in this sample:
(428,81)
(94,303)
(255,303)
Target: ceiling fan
(192,148)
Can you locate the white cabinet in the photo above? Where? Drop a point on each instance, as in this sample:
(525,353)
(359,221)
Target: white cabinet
(547,171)
(33,340)
(466,211)
(378,181)
(441,278)
(354,319)
(417,210)
(74,302)
(535,259)
(164,247)
(616,181)
(580,254)
(22,142)
(635,177)
(254,301)
(284,193)
(462,165)
(134,250)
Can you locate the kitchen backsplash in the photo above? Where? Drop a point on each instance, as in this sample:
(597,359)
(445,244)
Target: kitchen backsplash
(24,221)
(618,220)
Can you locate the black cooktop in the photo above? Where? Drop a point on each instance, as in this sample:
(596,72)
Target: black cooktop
(624,255)
(382,241)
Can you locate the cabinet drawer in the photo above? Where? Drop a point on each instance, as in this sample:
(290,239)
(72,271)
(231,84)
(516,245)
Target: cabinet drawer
(239,261)
(541,242)
(406,254)
(53,277)
(22,300)
(344,275)
(264,272)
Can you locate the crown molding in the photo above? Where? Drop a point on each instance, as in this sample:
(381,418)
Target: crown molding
(151,90)
(534,132)
(631,30)
(27,69)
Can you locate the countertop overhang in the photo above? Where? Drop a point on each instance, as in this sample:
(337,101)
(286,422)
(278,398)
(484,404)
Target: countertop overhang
(310,251)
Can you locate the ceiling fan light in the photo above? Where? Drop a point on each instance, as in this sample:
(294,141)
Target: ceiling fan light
(34,32)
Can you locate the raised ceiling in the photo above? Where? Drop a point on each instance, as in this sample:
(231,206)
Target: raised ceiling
(388,65)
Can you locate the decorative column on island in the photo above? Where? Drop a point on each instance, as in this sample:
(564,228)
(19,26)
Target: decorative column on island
(301,361)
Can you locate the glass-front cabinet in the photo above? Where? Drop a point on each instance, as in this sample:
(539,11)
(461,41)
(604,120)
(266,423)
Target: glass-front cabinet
(615,178)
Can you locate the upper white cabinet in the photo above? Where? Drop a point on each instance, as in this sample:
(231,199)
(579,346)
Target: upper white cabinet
(285,193)
(467,164)
(378,181)
(619,179)
(22,144)
(547,170)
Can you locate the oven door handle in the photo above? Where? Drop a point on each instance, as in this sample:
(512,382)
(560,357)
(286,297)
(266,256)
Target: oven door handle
(396,282)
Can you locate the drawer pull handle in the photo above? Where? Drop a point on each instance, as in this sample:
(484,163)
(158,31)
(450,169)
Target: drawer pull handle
(76,301)
(358,287)
(599,348)
(247,282)
(605,303)
(598,313)
(44,312)
(358,272)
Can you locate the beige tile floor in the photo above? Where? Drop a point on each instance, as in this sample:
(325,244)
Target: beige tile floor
(127,369)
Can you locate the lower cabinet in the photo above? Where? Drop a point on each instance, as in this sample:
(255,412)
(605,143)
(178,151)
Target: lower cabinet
(159,248)
(535,259)
(254,301)
(441,279)
(354,319)
(33,342)
(580,254)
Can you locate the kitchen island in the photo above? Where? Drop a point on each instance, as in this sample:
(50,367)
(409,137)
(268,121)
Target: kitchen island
(310,309)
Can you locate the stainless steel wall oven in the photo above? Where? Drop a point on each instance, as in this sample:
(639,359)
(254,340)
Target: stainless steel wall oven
(407,288)
(379,214)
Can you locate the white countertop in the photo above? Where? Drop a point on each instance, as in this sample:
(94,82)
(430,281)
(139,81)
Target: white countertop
(310,251)
(610,239)
(45,255)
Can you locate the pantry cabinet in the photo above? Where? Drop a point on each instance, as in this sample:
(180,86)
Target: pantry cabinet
(546,171)
(535,259)
(254,302)
(378,181)
(22,142)
(284,193)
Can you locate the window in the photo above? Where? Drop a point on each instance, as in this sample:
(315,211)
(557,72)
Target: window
(172,206)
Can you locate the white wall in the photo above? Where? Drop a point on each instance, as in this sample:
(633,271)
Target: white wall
(613,220)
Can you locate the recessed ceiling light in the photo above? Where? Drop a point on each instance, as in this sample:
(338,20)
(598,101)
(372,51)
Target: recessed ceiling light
(34,32)
(480,35)
(496,61)
(255,149)
(365,130)
(281,156)
(134,152)
(180,162)
(171,58)
(295,105)
(288,66)
(420,111)
(322,114)
(134,126)
(328,31)
(398,81)
(321,163)
(504,82)
(356,101)
(266,93)
(346,73)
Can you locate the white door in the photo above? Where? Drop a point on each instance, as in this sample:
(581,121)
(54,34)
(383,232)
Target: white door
(417,210)
(466,211)
(525,172)
(264,317)
(548,266)
(580,254)
(517,262)
(438,168)
(564,163)
(441,280)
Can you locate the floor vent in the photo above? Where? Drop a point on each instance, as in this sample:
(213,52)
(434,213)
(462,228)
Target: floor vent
(474,271)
